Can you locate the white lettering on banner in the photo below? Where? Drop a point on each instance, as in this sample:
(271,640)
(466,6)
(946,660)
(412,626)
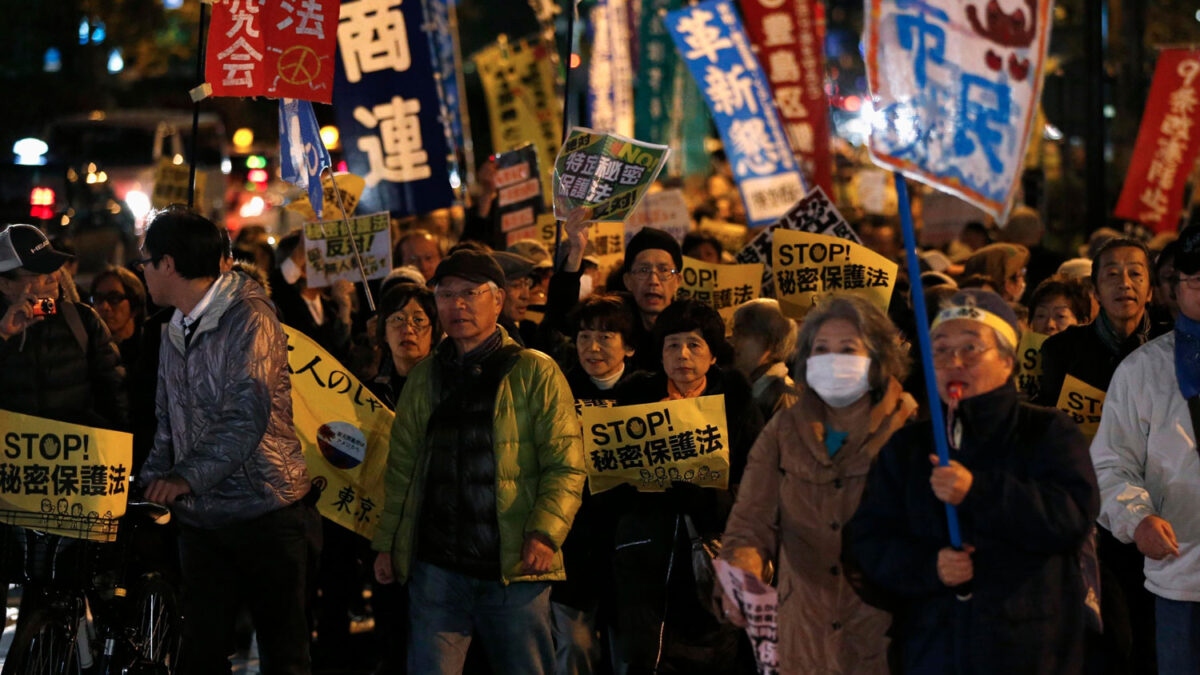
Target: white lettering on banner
(241,74)
(372,36)
(399,157)
(769,197)
(750,137)
(778,29)
(703,39)
(782,67)
(243,18)
(1176,128)
(520,192)
(730,90)
(311,15)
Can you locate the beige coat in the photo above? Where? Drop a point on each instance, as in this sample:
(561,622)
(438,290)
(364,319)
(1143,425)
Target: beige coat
(792,504)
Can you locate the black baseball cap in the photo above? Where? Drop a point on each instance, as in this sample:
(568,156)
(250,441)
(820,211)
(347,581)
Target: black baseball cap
(515,267)
(26,247)
(471,265)
(1187,256)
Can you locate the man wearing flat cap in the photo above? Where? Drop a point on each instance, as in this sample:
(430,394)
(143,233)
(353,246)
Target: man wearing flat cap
(57,359)
(484,477)
(518,284)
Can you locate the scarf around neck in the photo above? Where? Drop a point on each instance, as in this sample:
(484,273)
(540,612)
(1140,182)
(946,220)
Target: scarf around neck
(1187,356)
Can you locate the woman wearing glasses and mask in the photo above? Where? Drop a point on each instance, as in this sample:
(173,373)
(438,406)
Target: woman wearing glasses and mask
(1013,600)
(804,479)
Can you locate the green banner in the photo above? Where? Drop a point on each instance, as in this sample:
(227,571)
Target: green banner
(655,83)
(607,172)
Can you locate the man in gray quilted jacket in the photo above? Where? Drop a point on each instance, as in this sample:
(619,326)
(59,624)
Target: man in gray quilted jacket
(225,456)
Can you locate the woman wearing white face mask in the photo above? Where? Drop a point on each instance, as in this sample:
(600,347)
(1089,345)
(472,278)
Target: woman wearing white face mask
(804,479)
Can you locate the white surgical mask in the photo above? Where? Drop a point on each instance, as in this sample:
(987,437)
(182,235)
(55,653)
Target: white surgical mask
(839,379)
(290,270)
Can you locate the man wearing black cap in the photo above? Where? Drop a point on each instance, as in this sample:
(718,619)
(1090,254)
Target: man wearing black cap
(1149,470)
(57,359)
(484,477)
(517,285)
(653,262)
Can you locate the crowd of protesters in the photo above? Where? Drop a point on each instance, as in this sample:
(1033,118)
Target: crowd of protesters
(1079,555)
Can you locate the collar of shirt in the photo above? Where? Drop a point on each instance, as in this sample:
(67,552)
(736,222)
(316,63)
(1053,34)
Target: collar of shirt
(197,311)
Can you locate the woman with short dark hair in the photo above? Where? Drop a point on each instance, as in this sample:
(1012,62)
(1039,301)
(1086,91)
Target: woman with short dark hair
(408,330)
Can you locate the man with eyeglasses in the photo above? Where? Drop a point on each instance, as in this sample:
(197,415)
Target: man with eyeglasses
(518,284)
(653,263)
(484,477)
(1149,471)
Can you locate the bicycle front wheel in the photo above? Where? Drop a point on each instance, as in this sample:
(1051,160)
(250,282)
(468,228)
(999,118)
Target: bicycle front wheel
(156,621)
(44,645)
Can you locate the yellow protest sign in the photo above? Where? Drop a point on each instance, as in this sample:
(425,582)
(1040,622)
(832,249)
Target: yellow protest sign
(808,266)
(722,287)
(1083,403)
(731,235)
(349,185)
(345,432)
(65,479)
(1029,363)
(652,445)
(171,184)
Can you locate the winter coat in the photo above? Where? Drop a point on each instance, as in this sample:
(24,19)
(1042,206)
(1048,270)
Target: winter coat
(1031,503)
(44,371)
(539,463)
(1146,463)
(793,501)
(1079,351)
(224,406)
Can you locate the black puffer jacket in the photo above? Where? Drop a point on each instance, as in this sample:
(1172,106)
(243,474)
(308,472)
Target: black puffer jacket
(459,528)
(45,372)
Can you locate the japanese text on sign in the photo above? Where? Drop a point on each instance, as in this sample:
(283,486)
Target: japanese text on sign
(709,35)
(171,184)
(329,255)
(809,266)
(759,604)
(1083,402)
(607,172)
(66,479)
(520,188)
(722,287)
(652,445)
(610,69)
(1029,364)
(957,86)
(665,210)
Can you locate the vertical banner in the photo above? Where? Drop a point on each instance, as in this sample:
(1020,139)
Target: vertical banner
(278,49)
(303,157)
(1167,143)
(656,71)
(956,88)
(446,63)
(330,256)
(388,109)
(809,266)
(610,68)
(519,187)
(788,36)
(709,35)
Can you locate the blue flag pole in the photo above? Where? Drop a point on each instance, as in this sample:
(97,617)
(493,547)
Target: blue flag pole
(918,296)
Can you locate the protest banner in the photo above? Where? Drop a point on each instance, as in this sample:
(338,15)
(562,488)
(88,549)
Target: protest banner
(790,42)
(543,230)
(442,17)
(351,188)
(815,213)
(519,185)
(607,172)
(275,49)
(657,68)
(171,183)
(665,210)
(1167,143)
(344,431)
(956,93)
(710,38)
(649,446)
(1029,364)
(1083,403)
(809,266)
(610,68)
(330,257)
(387,108)
(759,604)
(303,157)
(722,287)
(65,479)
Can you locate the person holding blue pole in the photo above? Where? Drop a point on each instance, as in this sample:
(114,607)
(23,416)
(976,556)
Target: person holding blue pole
(1008,596)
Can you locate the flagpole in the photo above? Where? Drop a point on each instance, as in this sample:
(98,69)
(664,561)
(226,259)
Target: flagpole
(196,108)
(574,4)
(353,244)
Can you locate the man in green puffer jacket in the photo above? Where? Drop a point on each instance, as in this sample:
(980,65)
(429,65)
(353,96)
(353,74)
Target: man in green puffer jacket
(484,477)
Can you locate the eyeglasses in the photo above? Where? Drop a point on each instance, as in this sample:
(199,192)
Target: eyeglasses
(417,321)
(152,260)
(111,299)
(520,284)
(1192,283)
(661,271)
(469,296)
(968,354)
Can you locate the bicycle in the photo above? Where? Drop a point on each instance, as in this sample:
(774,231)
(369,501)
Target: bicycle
(78,594)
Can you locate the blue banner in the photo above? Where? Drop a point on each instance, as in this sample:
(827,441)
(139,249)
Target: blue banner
(387,106)
(710,38)
(446,63)
(302,155)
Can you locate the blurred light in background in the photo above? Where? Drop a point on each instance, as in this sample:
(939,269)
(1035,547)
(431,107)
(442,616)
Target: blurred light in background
(243,138)
(172,4)
(138,203)
(52,61)
(256,162)
(84,31)
(329,136)
(99,33)
(115,63)
(30,151)
(252,208)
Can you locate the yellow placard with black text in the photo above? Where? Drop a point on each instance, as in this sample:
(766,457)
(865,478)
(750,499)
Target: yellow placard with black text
(653,445)
(65,479)
(348,185)
(1029,363)
(809,266)
(1083,402)
(171,184)
(722,287)
(344,430)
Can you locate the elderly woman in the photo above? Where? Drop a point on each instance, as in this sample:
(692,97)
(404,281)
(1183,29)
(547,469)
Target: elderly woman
(1057,304)
(1022,481)
(763,339)
(658,621)
(408,329)
(804,479)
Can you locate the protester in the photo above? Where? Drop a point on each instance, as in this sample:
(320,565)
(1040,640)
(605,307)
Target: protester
(1057,304)
(1148,469)
(1003,265)
(1022,482)
(1024,228)
(517,285)
(484,477)
(421,249)
(543,268)
(702,246)
(653,263)
(408,331)
(1164,283)
(226,457)
(763,340)
(323,314)
(658,623)
(804,479)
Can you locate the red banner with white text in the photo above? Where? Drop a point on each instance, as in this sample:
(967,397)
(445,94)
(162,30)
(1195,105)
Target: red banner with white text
(790,36)
(1167,143)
